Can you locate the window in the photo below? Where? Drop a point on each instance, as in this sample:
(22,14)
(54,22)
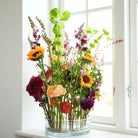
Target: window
(96,14)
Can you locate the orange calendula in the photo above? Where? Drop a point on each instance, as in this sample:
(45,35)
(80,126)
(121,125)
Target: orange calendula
(86,80)
(36,53)
(89,58)
(54,59)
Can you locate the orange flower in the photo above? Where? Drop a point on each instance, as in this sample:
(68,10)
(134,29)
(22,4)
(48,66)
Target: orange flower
(89,58)
(65,107)
(54,102)
(36,53)
(48,74)
(55,91)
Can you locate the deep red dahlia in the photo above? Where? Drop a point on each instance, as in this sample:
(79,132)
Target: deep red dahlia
(65,107)
(34,86)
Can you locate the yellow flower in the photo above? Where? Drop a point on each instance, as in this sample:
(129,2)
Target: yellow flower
(89,57)
(36,53)
(55,91)
(86,80)
(54,58)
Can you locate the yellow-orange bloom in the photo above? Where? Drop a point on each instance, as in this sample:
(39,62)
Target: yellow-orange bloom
(54,58)
(89,57)
(36,53)
(86,80)
(55,91)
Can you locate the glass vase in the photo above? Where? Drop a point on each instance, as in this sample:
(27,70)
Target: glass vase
(67,127)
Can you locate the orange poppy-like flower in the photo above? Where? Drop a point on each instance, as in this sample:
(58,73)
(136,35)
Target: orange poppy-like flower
(54,102)
(89,58)
(55,91)
(65,107)
(86,80)
(36,53)
(48,74)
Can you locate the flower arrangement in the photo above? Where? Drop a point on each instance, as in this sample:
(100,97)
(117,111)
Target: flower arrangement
(68,87)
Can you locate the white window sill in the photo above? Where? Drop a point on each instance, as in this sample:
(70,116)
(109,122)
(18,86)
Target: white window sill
(92,134)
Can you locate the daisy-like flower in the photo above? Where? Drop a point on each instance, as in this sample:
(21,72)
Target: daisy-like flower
(65,107)
(86,80)
(89,58)
(36,53)
(55,91)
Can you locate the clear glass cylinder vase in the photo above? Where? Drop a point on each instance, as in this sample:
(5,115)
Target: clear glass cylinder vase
(67,127)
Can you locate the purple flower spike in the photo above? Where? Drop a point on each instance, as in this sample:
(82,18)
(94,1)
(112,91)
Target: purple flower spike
(84,48)
(81,32)
(100,83)
(87,104)
(66,43)
(84,40)
(39,36)
(35,36)
(37,31)
(78,46)
(76,36)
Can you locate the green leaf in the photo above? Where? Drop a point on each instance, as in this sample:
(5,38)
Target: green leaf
(106,32)
(100,37)
(95,31)
(62,26)
(92,45)
(88,30)
(96,41)
(53,20)
(57,42)
(109,38)
(54,13)
(56,29)
(65,16)
(89,51)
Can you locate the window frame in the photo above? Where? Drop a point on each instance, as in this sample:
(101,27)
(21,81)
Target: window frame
(122,102)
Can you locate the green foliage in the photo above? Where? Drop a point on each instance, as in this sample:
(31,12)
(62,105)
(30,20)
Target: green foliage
(54,13)
(65,16)
(105,32)
(109,38)
(95,31)
(92,45)
(89,30)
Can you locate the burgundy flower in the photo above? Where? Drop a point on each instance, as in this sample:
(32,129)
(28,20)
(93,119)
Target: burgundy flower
(34,87)
(87,103)
(84,48)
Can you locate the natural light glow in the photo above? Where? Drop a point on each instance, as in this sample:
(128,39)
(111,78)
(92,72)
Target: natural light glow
(92,4)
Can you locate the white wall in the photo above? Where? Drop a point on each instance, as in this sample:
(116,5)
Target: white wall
(32,114)
(10,66)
